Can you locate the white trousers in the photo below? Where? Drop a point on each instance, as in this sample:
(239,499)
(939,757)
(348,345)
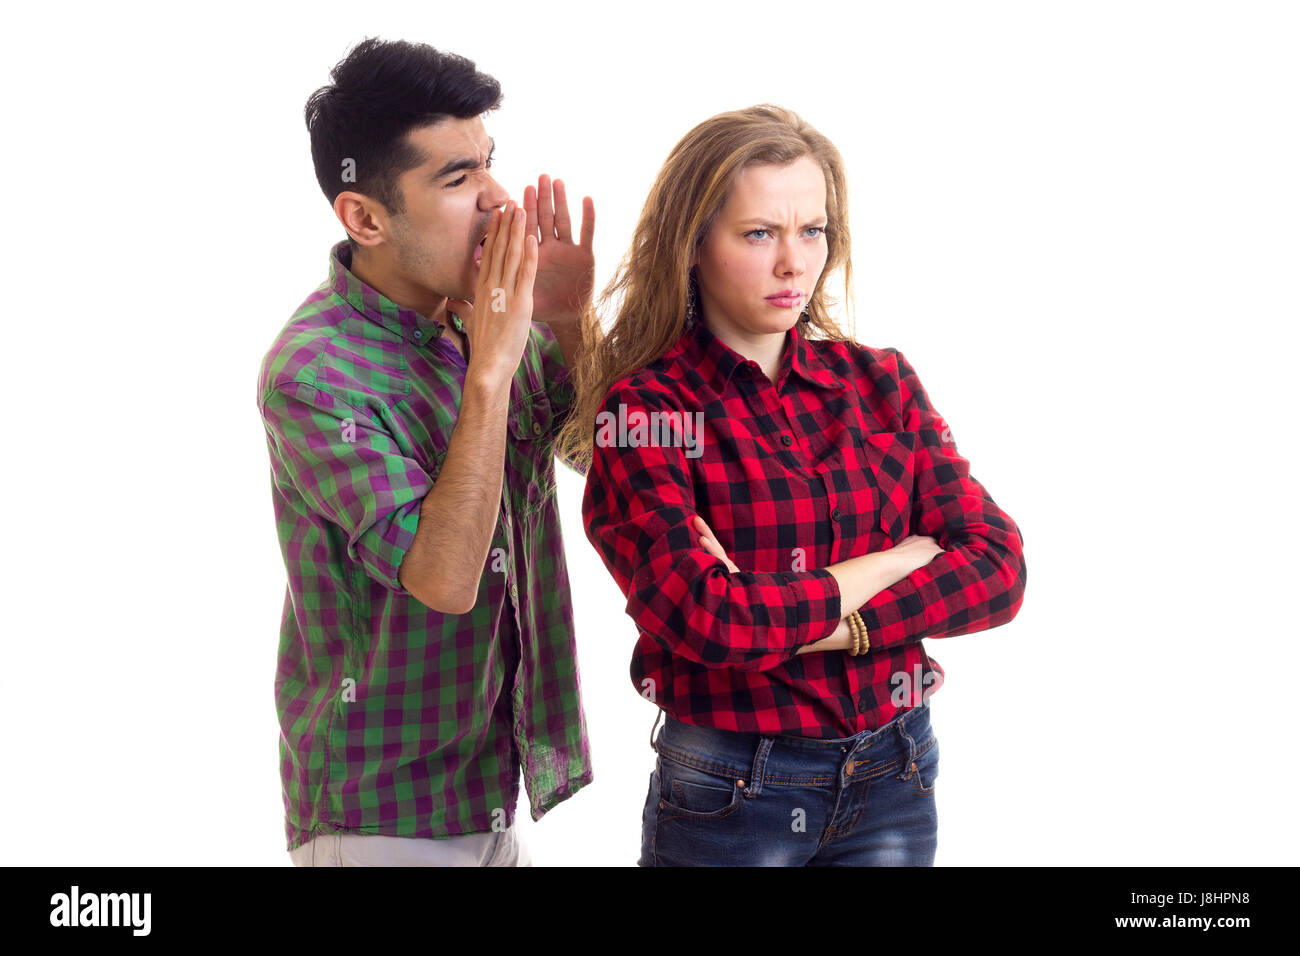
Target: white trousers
(497,848)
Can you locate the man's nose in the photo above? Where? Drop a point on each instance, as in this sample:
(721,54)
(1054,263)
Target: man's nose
(493,197)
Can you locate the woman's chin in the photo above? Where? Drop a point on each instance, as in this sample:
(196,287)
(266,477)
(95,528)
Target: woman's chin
(779,320)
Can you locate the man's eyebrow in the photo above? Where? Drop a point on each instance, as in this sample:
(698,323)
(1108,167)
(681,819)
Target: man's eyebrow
(456,165)
(776,225)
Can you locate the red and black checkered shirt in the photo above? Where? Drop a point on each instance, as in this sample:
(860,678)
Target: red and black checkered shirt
(843,456)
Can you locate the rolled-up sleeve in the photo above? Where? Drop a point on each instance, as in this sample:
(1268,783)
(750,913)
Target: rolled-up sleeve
(637,512)
(978,582)
(350,471)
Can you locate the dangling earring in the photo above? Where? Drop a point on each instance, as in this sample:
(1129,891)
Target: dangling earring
(805,317)
(690,298)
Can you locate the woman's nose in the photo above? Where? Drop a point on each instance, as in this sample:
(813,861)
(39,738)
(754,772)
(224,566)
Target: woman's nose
(791,262)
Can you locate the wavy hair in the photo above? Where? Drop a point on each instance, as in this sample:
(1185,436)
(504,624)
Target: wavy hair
(648,294)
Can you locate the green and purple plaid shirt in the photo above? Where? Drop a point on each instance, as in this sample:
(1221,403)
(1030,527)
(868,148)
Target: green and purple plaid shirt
(396,719)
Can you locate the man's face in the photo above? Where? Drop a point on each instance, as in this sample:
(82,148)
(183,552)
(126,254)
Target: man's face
(449,199)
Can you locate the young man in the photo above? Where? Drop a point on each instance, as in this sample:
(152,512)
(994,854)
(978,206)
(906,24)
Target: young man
(426,646)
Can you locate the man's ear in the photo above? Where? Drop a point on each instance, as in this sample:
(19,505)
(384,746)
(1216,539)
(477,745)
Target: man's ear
(361,217)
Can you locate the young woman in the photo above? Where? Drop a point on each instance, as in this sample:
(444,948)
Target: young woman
(786,513)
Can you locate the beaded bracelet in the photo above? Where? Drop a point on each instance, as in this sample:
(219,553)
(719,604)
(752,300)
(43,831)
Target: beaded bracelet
(861,639)
(866,635)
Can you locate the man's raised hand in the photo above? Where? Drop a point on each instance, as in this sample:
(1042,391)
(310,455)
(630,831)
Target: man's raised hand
(566,270)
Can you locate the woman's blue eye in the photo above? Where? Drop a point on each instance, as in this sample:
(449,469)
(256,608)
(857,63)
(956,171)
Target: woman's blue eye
(817,229)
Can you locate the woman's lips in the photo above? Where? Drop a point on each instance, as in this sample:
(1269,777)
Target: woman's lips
(786,300)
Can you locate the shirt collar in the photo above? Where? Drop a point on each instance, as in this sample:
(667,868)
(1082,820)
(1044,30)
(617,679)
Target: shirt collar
(799,357)
(375,306)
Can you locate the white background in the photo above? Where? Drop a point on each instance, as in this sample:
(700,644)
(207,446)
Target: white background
(1077,220)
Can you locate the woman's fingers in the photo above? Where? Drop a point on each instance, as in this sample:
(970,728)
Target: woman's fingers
(709,542)
(705,532)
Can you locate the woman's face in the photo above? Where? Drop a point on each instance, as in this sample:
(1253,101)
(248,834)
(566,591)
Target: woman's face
(761,259)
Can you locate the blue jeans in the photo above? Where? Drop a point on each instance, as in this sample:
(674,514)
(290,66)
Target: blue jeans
(722,798)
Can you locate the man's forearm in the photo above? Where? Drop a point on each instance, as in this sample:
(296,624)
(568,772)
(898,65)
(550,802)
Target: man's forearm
(458,516)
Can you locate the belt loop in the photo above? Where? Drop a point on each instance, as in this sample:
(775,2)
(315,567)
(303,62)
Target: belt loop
(658,716)
(909,765)
(760,764)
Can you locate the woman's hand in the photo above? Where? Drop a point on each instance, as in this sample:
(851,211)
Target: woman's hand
(912,553)
(841,639)
(709,542)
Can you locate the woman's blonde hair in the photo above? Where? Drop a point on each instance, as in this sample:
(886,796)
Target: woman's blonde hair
(651,287)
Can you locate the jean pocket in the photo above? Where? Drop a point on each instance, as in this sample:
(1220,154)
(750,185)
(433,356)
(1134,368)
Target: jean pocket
(927,767)
(698,794)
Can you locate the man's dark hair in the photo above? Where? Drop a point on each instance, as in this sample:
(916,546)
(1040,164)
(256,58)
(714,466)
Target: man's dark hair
(381,91)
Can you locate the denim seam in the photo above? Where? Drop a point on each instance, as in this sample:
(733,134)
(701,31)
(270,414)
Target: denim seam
(674,812)
(723,770)
(895,764)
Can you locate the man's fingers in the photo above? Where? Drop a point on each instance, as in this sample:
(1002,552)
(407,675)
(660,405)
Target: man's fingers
(588,222)
(493,251)
(530,210)
(485,261)
(514,252)
(496,277)
(545,208)
(563,229)
(527,269)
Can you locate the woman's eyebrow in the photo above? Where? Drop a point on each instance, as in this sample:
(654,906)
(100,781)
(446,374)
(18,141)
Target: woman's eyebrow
(776,225)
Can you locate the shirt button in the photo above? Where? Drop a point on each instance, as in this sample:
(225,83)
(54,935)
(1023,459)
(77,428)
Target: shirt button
(514,590)
(419,334)
(786,440)
(835,514)
(537,428)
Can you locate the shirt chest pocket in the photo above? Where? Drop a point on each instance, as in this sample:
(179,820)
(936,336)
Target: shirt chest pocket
(529,468)
(888,462)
